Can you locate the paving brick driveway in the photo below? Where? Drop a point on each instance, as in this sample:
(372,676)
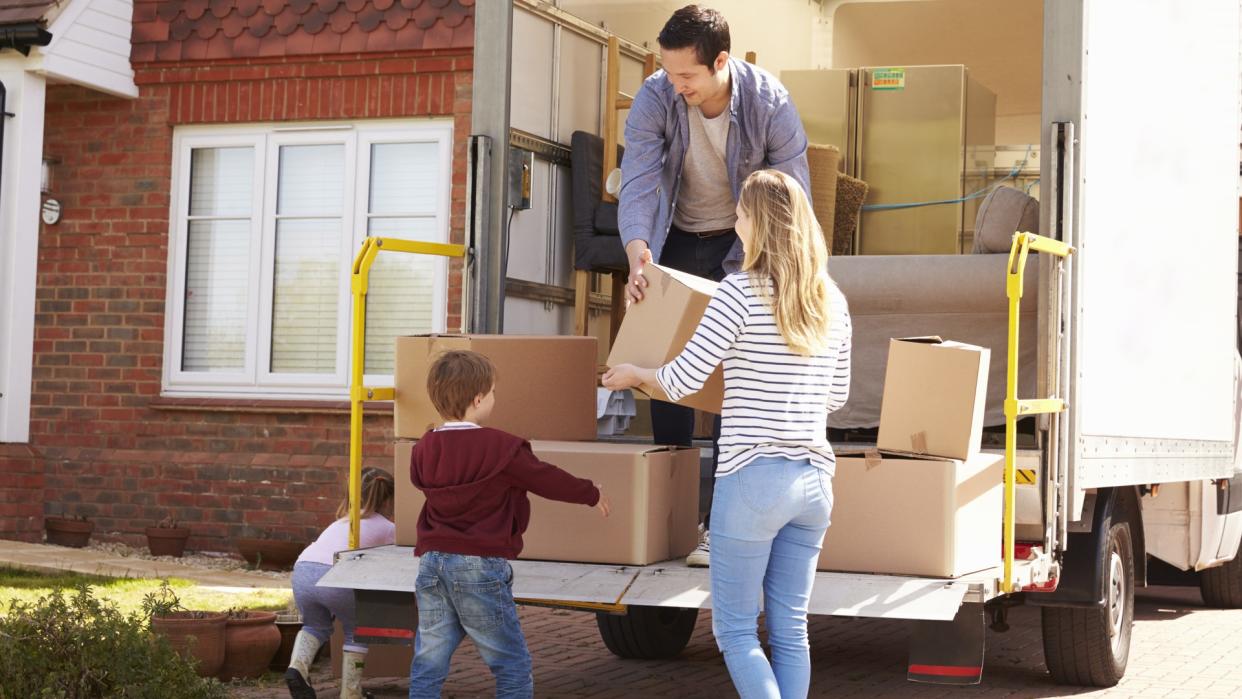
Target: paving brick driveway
(1180,649)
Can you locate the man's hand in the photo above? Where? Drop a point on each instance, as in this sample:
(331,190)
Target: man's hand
(638,254)
(603,506)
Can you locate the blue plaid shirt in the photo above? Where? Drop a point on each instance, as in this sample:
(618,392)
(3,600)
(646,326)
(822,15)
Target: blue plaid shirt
(764,132)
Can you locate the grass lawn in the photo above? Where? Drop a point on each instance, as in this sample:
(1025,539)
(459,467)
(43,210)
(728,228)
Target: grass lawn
(127,593)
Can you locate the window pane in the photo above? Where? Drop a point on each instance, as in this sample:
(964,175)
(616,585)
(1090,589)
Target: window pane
(221,181)
(404,177)
(312,180)
(216,289)
(305,297)
(401,295)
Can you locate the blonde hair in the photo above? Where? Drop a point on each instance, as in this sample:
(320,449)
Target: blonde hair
(377,492)
(787,247)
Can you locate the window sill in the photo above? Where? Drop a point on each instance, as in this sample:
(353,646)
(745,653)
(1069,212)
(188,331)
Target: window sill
(251,405)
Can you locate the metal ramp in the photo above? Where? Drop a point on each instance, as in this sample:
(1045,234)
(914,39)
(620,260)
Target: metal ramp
(596,587)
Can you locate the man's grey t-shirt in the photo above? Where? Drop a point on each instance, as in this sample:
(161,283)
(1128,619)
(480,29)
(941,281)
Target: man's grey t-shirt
(705,200)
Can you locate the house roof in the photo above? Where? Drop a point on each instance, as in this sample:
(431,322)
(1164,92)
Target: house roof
(25,11)
(172,30)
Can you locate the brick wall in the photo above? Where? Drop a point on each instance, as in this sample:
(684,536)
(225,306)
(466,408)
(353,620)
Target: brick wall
(103,442)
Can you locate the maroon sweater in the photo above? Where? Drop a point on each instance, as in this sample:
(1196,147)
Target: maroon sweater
(476,482)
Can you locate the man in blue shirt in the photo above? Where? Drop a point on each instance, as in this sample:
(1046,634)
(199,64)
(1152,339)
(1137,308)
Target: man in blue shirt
(697,128)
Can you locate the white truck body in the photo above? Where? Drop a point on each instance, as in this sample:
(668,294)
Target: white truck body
(1139,173)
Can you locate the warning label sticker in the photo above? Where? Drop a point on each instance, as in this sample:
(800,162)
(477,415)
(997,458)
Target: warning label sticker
(888,79)
(1024,476)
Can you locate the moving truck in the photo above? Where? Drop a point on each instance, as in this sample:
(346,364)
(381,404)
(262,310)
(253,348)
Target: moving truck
(1134,124)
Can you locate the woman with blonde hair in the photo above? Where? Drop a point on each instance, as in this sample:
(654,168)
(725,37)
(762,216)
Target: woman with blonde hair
(782,330)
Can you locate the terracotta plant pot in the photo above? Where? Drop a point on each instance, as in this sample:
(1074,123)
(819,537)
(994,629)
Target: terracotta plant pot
(199,640)
(289,625)
(164,541)
(68,532)
(269,554)
(250,643)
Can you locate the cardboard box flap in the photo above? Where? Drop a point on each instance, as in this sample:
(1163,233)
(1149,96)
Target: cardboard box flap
(668,275)
(924,339)
(602,448)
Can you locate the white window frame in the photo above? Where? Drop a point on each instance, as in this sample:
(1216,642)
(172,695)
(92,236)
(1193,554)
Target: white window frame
(256,380)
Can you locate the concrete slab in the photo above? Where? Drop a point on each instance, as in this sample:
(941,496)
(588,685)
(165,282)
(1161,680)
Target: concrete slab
(55,559)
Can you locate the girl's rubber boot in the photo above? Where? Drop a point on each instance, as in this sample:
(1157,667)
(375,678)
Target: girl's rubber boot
(351,675)
(297,677)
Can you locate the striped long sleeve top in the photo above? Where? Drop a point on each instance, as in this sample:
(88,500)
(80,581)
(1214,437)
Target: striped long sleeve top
(776,402)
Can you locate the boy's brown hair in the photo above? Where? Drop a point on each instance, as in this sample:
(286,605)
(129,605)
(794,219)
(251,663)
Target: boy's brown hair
(456,378)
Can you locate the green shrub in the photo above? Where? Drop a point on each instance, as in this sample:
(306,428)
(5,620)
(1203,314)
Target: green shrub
(76,646)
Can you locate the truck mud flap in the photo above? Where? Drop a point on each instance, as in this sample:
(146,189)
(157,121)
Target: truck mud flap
(949,652)
(385,617)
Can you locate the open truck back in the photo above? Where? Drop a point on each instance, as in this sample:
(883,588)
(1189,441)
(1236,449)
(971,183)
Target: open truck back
(1130,338)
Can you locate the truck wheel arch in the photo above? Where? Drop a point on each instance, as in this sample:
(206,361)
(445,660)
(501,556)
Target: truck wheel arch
(1081,578)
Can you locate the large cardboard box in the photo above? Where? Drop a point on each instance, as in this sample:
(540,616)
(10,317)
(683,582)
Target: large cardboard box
(654,492)
(657,329)
(909,515)
(934,395)
(545,385)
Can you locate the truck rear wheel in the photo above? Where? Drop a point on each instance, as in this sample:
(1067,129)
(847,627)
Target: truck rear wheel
(1090,646)
(1222,586)
(647,633)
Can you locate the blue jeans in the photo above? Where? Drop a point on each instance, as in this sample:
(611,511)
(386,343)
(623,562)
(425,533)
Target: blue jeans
(769,520)
(468,595)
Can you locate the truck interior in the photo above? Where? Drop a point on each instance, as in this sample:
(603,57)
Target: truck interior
(920,243)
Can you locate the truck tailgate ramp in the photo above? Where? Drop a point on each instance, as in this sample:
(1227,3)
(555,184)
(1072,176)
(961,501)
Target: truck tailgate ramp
(838,594)
(395,568)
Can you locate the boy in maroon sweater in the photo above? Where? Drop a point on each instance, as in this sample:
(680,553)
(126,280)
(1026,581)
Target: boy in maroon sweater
(475,480)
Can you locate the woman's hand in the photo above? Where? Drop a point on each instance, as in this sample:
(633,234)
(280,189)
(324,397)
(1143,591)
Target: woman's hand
(623,376)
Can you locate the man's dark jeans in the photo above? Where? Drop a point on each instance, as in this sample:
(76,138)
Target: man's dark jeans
(703,257)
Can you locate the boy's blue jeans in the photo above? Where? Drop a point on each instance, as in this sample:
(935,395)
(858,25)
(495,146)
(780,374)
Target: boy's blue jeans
(768,524)
(468,595)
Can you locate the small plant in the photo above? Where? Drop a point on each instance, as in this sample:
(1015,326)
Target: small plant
(161,602)
(168,522)
(74,645)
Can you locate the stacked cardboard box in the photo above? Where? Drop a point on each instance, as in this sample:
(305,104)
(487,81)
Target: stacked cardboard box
(546,393)
(927,502)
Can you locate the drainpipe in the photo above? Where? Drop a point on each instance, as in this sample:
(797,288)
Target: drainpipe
(4,115)
(22,36)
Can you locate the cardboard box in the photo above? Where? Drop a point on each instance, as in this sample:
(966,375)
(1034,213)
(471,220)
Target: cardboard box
(545,385)
(654,492)
(934,396)
(656,330)
(909,515)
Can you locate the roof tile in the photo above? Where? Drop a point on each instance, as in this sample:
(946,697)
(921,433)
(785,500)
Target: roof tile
(194,9)
(167,30)
(341,21)
(233,25)
(396,17)
(287,22)
(260,24)
(24,11)
(221,8)
(247,8)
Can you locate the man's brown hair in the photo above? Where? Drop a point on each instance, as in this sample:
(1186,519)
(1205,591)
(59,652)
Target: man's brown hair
(456,378)
(700,27)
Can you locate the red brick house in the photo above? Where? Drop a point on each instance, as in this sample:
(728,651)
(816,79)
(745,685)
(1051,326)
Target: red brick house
(190,307)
